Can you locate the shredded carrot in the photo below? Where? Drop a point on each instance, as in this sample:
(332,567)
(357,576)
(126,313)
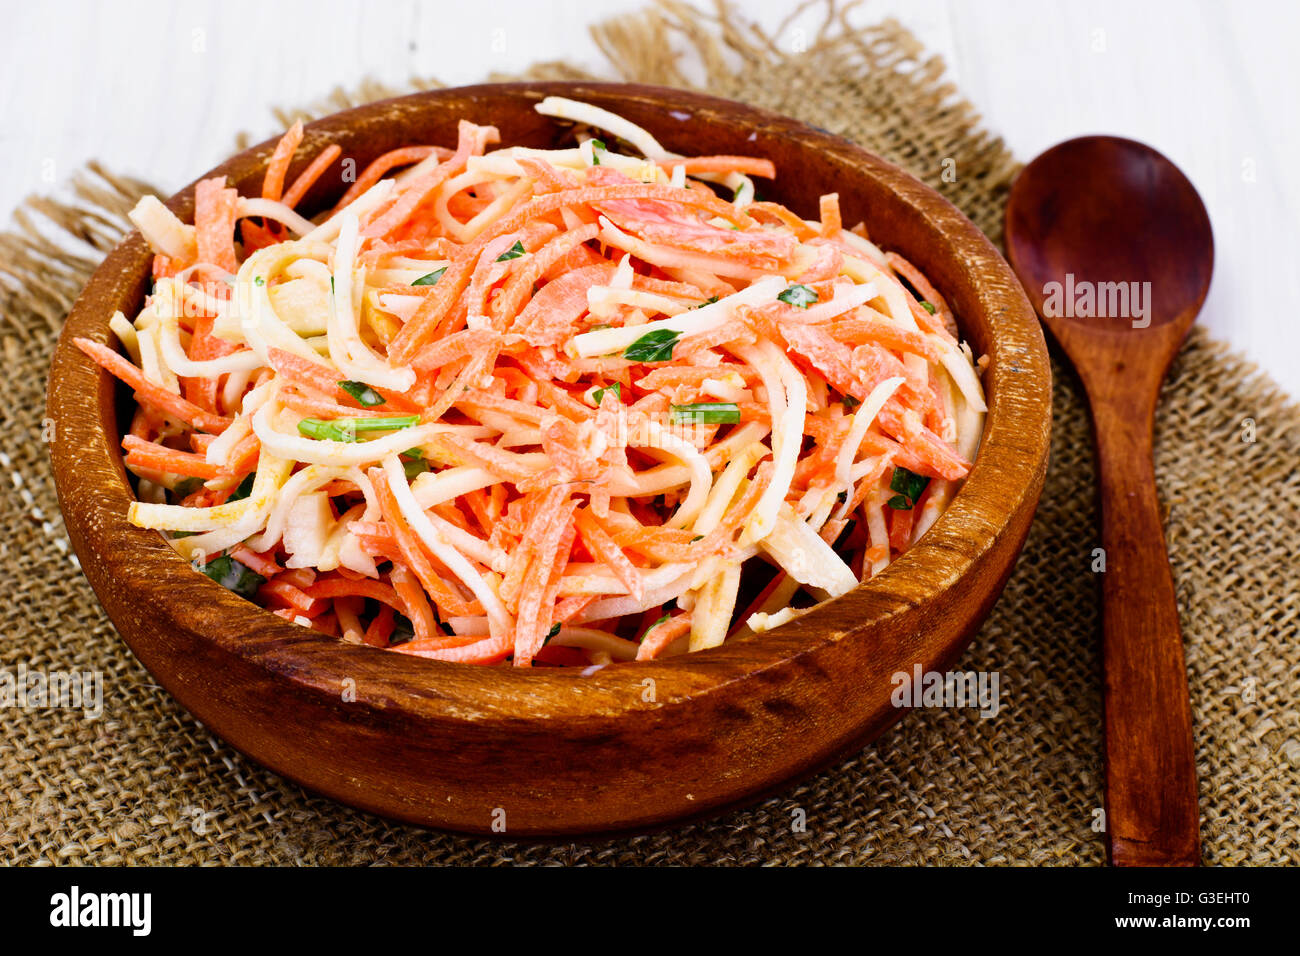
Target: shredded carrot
(151,394)
(278,165)
(748,165)
(214,222)
(385,164)
(308,177)
(659,636)
(830,212)
(157,457)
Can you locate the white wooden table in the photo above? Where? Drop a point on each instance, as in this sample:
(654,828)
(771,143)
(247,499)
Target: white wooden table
(160,90)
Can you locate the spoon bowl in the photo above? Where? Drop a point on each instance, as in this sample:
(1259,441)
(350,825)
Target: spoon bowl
(1099,212)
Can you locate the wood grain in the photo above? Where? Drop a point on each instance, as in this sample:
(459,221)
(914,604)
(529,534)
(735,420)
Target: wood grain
(1104,210)
(631,746)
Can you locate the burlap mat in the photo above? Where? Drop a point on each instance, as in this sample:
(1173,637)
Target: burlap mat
(147,784)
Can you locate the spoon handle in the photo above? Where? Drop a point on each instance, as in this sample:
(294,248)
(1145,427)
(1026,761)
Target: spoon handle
(1151,810)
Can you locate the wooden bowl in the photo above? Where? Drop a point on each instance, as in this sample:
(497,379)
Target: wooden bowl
(552,752)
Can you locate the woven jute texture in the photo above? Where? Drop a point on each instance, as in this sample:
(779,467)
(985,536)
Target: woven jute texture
(145,783)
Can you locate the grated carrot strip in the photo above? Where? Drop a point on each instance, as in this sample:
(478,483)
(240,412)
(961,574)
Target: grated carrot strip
(277,166)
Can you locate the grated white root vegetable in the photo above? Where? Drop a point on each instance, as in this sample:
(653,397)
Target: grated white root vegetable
(162,230)
(787,396)
(862,421)
(564,108)
(801,553)
(349,353)
(660,439)
(759,621)
(715,603)
(501,620)
(695,322)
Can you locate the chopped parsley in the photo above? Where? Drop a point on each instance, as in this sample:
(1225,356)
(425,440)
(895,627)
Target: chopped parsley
(595,156)
(928,307)
(244,490)
(909,486)
(849,403)
(233,576)
(416,464)
(403,630)
(656,346)
(709,301)
(514,252)
(799,296)
(616,388)
(186,487)
(430,278)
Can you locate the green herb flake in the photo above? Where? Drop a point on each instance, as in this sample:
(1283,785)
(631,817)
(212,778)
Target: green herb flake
(928,307)
(416,464)
(414,469)
(698,537)
(799,296)
(849,403)
(909,486)
(706,413)
(666,616)
(709,301)
(244,490)
(233,576)
(595,157)
(186,487)
(346,429)
(616,388)
(430,278)
(514,252)
(363,393)
(555,629)
(403,630)
(258,281)
(656,346)
(380,424)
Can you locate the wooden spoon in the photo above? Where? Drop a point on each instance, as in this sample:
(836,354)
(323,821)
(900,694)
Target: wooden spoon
(1114,248)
